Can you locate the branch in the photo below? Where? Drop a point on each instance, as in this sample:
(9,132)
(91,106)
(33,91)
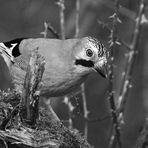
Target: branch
(127,74)
(61,5)
(53,31)
(85,110)
(48,26)
(30,95)
(77,28)
(113,43)
(131,57)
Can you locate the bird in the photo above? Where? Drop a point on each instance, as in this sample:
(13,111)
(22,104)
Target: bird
(68,62)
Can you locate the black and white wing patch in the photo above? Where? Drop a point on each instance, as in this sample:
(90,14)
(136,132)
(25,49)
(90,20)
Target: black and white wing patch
(13,46)
(6,52)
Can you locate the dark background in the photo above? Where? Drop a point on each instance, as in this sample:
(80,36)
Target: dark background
(25,18)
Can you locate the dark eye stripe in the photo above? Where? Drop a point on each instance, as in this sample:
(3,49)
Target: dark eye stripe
(84,63)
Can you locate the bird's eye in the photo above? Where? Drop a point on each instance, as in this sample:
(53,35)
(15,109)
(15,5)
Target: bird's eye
(89,53)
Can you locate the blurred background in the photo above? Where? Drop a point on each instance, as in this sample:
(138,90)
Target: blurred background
(25,18)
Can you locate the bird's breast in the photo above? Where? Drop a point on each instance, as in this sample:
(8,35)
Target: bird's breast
(60,81)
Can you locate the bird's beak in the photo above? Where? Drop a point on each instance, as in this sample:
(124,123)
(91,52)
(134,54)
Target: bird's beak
(102,71)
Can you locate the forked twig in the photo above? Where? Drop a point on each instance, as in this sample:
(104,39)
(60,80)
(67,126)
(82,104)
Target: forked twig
(48,26)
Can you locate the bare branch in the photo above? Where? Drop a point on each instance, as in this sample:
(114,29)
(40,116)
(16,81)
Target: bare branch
(48,26)
(131,56)
(45,32)
(61,5)
(113,43)
(127,74)
(77,30)
(53,31)
(85,109)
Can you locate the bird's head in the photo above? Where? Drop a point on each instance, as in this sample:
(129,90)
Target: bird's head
(91,55)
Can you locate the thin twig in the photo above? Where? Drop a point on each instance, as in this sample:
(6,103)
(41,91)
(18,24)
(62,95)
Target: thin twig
(48,26)
(113,43)
(53,31)
(122,10)
(70,111)
(61,4)
(77,28)
(85,110)
(45,32)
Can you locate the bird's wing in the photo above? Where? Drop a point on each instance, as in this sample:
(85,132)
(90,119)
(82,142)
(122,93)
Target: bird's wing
(21,62)
(56,52)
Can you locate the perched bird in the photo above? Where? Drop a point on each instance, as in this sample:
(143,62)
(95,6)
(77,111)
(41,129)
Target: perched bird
(67,62)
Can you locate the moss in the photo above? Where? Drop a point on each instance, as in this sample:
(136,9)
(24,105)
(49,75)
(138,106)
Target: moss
(44,132)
